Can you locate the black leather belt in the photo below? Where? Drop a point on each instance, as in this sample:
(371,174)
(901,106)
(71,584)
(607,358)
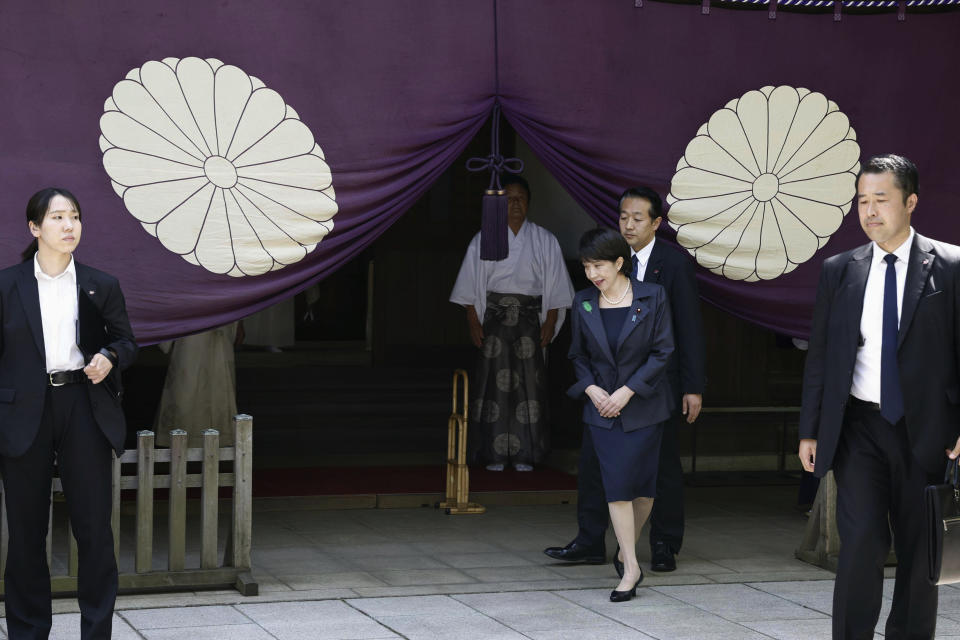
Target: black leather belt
(60,378)
(863,404)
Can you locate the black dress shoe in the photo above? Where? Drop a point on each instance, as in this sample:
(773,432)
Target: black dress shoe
(576,552)
(617,563)
(662,558)
(623,596)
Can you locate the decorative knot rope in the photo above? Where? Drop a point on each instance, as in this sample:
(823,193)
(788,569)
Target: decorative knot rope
(493,225)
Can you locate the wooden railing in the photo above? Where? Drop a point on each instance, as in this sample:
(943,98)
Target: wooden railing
(234,571)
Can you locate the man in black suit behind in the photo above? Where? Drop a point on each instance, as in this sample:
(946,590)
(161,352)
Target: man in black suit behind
(64,336)
(881,399)
(641,211)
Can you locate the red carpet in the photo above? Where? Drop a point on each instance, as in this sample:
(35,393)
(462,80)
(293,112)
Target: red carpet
(415,479)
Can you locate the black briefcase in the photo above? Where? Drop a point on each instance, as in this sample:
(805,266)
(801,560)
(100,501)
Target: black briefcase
(943,528)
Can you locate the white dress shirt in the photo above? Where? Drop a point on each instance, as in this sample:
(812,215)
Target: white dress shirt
(866,371)
(58,312)
(643,259)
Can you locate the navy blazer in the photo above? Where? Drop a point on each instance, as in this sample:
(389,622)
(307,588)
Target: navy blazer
(928,350)
(640,362)
(101,323)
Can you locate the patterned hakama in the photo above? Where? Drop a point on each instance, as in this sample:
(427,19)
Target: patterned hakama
(508,406)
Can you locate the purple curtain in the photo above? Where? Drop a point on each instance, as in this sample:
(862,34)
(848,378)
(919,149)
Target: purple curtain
(392,93)
(608,96)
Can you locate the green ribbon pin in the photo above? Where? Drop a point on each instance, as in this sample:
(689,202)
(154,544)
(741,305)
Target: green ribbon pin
(587,306)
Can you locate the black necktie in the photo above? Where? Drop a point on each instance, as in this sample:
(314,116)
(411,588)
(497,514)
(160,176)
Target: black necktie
(636,266)
(891,395)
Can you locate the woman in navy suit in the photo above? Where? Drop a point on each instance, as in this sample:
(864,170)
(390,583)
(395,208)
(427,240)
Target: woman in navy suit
(620,346)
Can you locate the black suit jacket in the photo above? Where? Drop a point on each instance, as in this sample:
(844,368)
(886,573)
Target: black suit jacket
(667,267)
(640,362)
(101,323)
(928,350)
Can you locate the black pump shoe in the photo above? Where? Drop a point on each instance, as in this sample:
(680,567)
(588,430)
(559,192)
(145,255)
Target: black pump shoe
(624,596)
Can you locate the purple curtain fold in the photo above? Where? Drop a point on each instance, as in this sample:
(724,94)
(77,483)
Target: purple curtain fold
(392,93)
(608,96)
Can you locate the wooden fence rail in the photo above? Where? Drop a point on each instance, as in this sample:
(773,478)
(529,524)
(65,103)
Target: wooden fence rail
(234,571)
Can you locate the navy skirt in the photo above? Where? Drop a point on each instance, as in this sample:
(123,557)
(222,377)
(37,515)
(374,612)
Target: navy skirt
(628,460)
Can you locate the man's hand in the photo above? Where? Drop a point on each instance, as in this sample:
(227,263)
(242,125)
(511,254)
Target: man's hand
(546,333)
(548,327)
(98,368)
(611,407)
(953,453)
(692,403)
(475,327)
(808,453)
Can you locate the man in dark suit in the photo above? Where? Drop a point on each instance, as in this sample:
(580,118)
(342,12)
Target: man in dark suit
(881,391)
(641,212)
(64,336)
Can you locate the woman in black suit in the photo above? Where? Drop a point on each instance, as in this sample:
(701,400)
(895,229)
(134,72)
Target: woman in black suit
(620,346)
(64,336)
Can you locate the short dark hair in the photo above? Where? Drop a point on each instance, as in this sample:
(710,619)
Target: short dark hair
(656,204)
(602,243)
(512,178)
(904,172)
(37,207)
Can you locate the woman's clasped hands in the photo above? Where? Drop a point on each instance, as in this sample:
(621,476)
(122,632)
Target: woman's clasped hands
(609,405)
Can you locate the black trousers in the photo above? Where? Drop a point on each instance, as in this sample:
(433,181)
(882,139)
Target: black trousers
(666,519)
(68,433)
(880,482)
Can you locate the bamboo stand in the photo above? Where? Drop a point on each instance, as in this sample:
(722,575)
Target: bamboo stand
(458,476)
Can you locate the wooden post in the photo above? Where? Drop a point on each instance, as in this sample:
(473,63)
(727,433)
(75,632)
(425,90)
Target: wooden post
(177,520)
(242,534)
(243,491)
(144,550)
(209,498)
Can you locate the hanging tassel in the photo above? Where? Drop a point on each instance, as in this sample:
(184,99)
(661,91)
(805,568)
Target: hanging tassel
(494,243)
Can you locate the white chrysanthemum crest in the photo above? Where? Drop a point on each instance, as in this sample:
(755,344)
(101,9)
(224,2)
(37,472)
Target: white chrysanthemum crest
(765,183)
(216,166)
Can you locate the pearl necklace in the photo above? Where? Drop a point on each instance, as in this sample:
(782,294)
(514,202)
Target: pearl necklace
(620,299)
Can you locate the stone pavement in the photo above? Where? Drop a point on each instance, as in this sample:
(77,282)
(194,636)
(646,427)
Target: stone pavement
(419,574)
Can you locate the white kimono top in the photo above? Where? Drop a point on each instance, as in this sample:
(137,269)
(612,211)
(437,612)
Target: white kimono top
(534,267)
